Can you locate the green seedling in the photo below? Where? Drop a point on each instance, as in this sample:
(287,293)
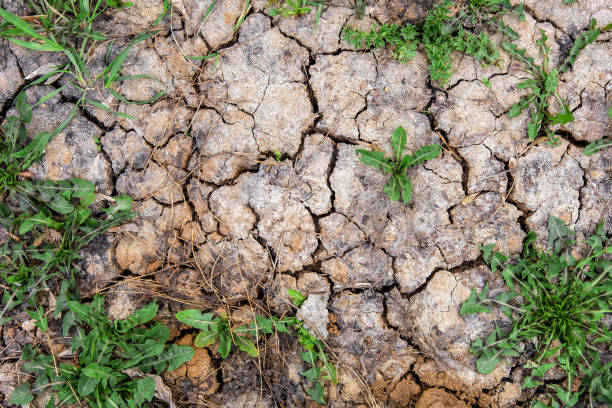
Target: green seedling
(543,84)
(213,329)
(109,352)
(557,305)
(399,184)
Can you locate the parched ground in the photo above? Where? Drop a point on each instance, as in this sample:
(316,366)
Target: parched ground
(222,223)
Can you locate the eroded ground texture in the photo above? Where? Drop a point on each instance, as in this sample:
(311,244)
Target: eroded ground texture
(221,222)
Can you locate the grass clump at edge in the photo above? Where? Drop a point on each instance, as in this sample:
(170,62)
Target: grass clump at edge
(557,304)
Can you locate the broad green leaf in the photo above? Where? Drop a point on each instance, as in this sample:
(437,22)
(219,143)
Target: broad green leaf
(497,259)
(316,393)
(60,205)
(174,356)
(423,154)
(529,239)
(205,338)
(517,108)
(84,190)
(487,363)
(398,141)
(533,128)
(312,374)
(123,203)
(472,305)
(40,320)
(486,251)
(530,382)
(557,234)
(195,318)
(145,389)
(331,370)
(541,369)
(392,189)
(563,118)
(96,371)
(225,344)
(87,384)
(22,395)
(406,190)
(148,350)
(484,292)
(375,159)
(81,312)
(246,345)
(298,298)
(264,325)
(139,317)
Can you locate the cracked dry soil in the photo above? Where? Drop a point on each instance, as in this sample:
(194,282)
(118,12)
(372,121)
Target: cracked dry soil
(220,221)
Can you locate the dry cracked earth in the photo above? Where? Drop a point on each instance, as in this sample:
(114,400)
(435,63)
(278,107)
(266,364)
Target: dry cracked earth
(222,222)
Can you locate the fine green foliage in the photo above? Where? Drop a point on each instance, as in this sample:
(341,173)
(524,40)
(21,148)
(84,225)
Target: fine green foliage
(106,351)
(402,40)
(298,298)
(399,184)
(556,303)
(295,8)
(543,84)
(445,29)
(213,329)
(66,27)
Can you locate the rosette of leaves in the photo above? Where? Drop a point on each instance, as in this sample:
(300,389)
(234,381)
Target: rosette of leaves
(107,350)
(558,305)
(245,337)
(399,184)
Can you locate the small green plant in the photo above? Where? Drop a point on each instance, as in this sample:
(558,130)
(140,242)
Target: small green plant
(556,303)
(399,184)
(543,83)
(446,28)
(218,328)
(108,351)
